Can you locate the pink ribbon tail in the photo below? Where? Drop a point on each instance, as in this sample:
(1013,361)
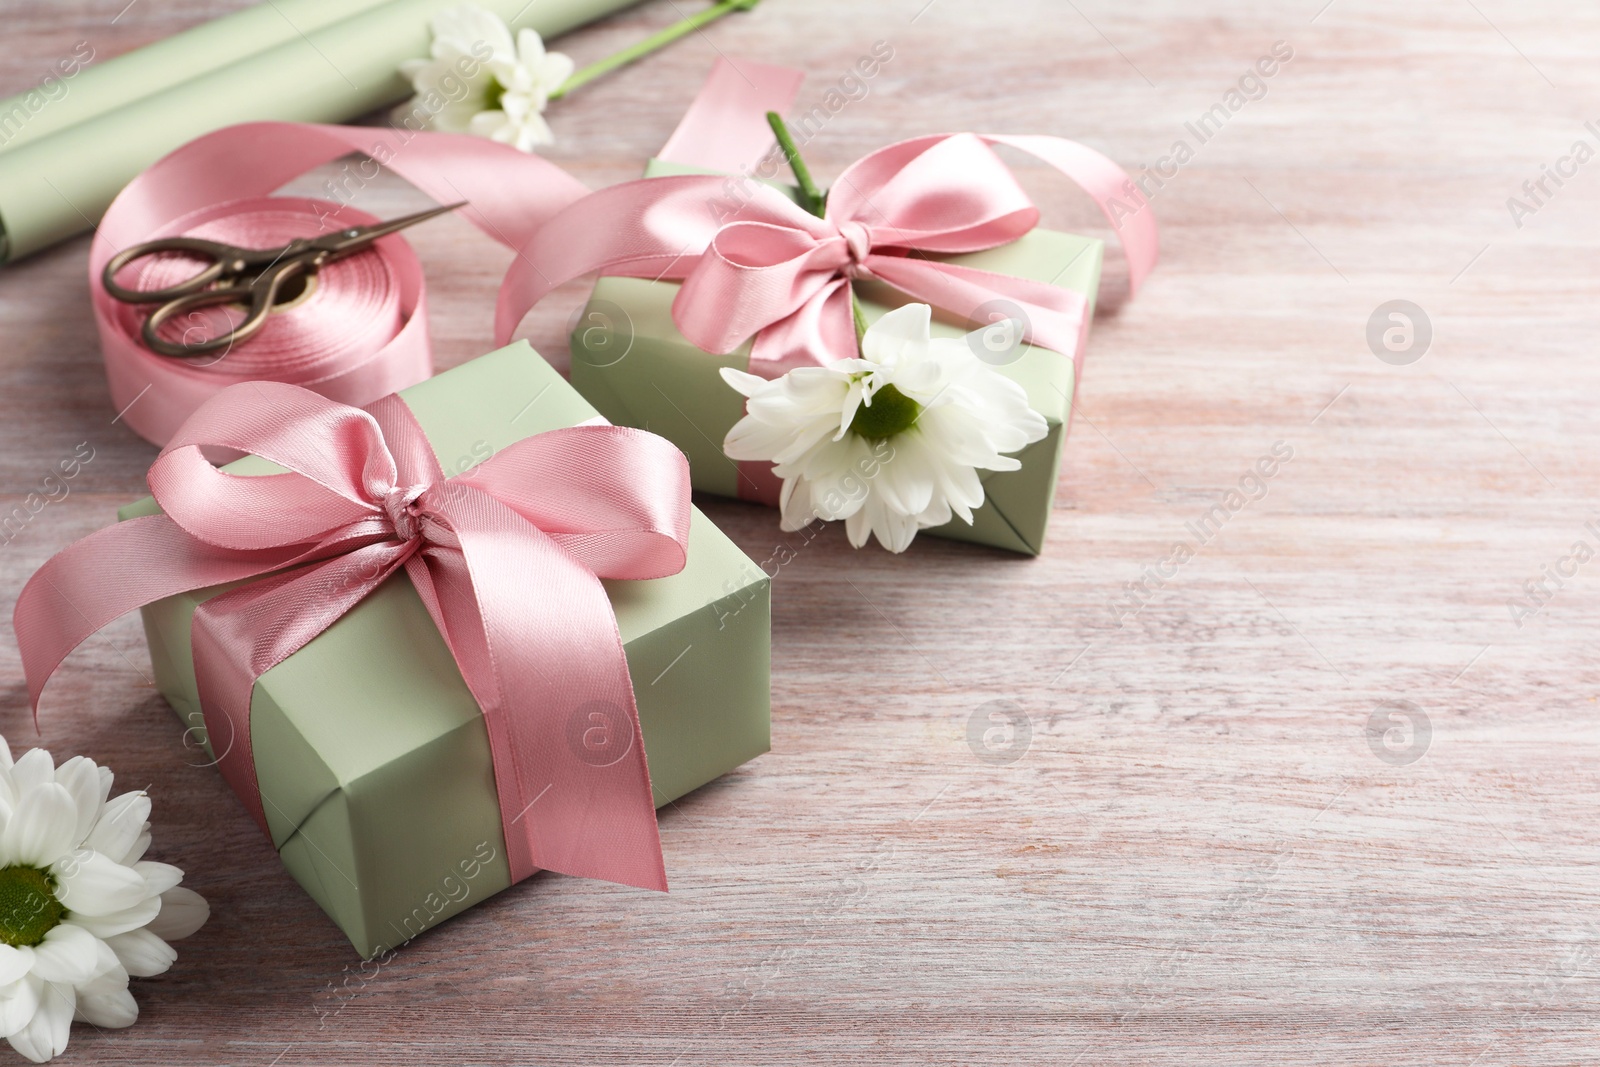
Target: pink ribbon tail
(102,577)
(725,128)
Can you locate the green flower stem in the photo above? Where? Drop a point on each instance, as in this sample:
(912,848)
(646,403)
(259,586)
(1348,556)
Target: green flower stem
(650,44)
(811,197)
(813,200)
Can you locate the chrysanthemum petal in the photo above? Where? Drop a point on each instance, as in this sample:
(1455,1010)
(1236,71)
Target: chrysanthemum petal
(68,953)
(743,383)
(121,822)
(907,482)
(488,124)
(893,530)
(45,1035)
(530,46)
(757,440)
(158,877)
(904,327)
(34,769)
(137,849)
(538,130)
(794,505)
(80,777)
(119,922)
(466,25)
(142,953)
(18,1001)
(553,70)
(183,911)
(40,830)
(113,978)
(515,105)
(110,1011)
(858,529)
(456,116)
(6,858)
(92,883)
(14,963)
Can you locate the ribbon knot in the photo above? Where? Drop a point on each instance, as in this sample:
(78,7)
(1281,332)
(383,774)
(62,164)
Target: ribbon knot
(400,505)
(858,241)
(507,559)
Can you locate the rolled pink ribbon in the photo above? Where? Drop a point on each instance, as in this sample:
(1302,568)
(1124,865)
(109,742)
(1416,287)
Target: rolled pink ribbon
(507,557)
(363,338)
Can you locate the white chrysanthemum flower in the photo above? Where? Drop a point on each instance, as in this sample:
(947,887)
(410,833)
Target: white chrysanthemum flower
(501,97)
(80,910)
(526,82)
(892,442)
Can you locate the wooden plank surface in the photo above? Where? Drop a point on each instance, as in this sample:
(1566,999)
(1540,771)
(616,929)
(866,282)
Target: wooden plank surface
(1202,855)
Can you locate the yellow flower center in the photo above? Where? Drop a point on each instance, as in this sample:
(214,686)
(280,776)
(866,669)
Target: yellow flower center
(890,412)
(28,906)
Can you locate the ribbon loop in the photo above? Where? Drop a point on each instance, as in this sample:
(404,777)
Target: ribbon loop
(631,530)
(752,274)
(336,446)
(945,193)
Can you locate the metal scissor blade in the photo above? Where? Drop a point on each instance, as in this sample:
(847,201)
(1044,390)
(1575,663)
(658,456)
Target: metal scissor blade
(360,236)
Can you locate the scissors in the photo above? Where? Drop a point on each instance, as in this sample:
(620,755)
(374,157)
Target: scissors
(250,276)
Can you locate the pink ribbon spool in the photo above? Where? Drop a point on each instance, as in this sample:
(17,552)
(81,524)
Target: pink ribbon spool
(359,335)
(358,330)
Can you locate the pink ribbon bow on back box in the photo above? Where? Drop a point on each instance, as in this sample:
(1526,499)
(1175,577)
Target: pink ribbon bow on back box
(507,556)
(757,265)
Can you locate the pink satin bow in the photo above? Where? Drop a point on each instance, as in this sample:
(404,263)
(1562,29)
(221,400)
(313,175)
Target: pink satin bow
(507,557)
(762,267)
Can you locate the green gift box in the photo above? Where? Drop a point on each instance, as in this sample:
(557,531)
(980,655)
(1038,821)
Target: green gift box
(372,755)
(632,364)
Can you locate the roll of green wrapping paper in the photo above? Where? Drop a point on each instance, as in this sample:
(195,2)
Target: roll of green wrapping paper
(113,83)
(59,185)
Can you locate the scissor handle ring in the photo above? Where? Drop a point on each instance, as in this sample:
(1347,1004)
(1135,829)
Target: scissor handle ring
(261,294)
(224,260)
